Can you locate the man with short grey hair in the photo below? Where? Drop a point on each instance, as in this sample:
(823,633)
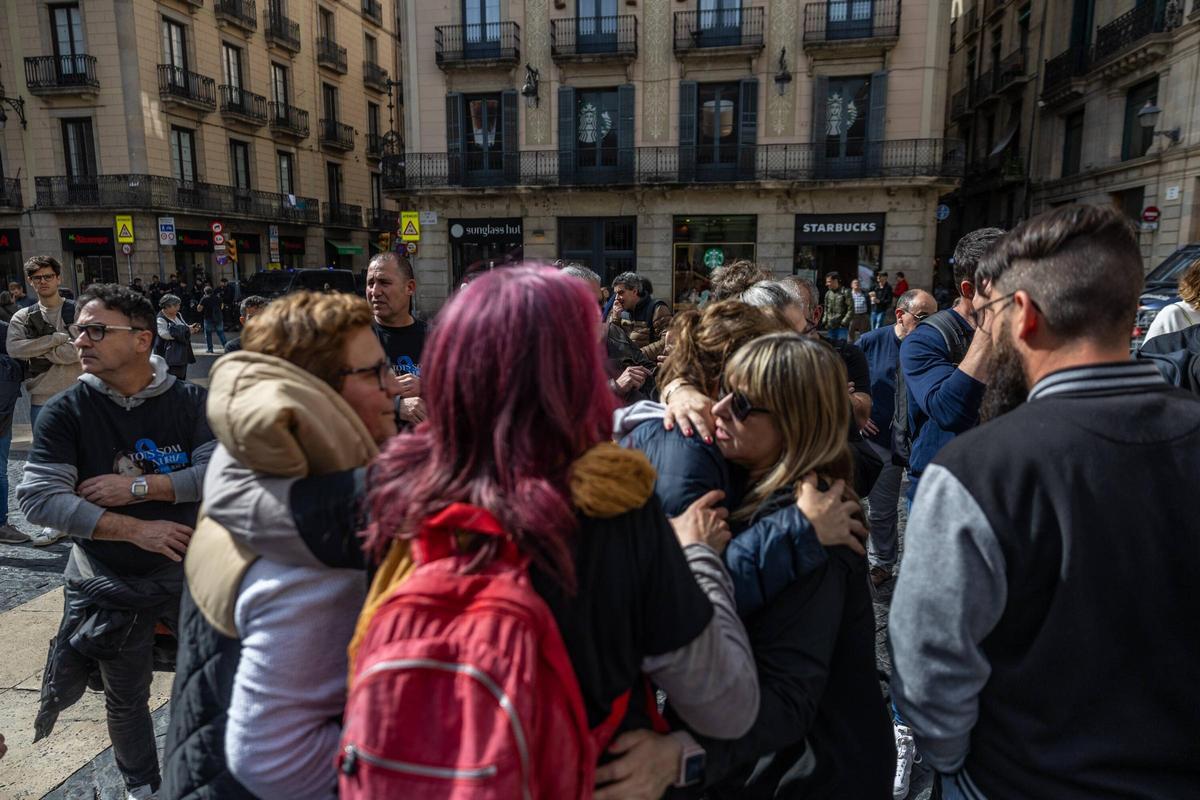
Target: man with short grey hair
(391,285)
(631,372)
(644,318)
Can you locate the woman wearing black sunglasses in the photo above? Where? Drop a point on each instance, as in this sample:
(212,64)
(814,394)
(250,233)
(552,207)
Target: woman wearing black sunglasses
(822,728)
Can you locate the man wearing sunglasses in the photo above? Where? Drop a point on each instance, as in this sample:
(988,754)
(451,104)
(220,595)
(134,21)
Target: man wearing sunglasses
(882,348)
(117,463)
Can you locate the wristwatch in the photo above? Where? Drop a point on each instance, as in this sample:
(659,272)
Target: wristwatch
(692,759)
(140,487)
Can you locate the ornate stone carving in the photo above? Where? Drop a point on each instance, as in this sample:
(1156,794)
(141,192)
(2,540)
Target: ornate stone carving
(781,110)
(658,48)
(537,54)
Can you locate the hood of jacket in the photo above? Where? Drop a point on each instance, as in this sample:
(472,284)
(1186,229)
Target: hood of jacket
(628,418)
(276,418)
(161,381)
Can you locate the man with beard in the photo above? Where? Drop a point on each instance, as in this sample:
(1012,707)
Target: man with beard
(390,289)
(945,365)
(1037,626)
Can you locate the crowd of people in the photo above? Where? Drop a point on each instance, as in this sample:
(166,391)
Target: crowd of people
(560,542)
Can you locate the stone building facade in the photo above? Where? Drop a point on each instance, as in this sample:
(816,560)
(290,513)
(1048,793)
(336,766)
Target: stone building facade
(1102,109)
(671,137)
(270,119)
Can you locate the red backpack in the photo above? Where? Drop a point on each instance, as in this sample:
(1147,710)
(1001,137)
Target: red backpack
(463,688)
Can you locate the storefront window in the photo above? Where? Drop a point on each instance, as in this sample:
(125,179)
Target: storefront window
(477,245)
(700,245)
(850,245)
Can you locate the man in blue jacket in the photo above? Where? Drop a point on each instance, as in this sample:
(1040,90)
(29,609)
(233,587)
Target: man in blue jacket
(945,366)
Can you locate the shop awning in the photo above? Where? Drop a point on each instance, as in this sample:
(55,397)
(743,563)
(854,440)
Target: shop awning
(345,248)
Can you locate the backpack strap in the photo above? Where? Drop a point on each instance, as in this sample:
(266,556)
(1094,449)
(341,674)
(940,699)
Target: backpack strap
(436,538)
(956,342)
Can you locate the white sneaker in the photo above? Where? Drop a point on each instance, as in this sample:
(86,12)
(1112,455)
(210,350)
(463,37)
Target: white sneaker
(46,536)
(10,535)
(906,749)
(140,793)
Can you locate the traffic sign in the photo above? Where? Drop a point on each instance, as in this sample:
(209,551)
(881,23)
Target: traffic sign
(943,212)
(1150,214)
(217,227)
(166,231)
(222,259)
(411,247)
(126,249)
(410,226)
(124,229)
(218,240)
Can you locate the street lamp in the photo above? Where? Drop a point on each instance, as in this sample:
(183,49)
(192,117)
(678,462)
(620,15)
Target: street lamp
(530,89)
(1148,117)
(17,104)
(783,77)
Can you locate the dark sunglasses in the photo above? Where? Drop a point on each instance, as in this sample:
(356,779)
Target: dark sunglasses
(96,331)
(923,315)
(382,371)
(740,406)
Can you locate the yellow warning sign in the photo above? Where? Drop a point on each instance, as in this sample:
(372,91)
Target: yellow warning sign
(124,229)
(410,226)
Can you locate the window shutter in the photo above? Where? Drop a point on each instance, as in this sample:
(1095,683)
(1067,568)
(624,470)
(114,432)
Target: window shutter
(510,119)
(820,99)
(748,129)
(454,137)
(877,124)
(625,131)
(566,135)
(688,97)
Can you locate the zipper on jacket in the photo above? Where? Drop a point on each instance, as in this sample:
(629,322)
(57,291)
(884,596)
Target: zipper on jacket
(353,755)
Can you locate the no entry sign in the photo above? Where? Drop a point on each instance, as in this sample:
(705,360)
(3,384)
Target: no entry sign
(1150,214)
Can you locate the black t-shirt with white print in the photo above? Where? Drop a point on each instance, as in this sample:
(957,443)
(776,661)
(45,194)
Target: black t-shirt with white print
(83,428)
(403,346)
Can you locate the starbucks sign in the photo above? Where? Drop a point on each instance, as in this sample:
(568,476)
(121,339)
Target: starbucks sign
(714,257)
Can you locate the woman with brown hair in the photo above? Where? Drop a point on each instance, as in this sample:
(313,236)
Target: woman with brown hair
(1186,312)
(822,728)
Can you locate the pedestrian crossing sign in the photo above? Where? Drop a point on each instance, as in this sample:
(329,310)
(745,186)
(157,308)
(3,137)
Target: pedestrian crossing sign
(410,226)
(124,229)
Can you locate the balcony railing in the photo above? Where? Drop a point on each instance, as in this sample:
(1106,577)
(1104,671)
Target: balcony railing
(1059,71)
(373,10)
(330,54)
(336,134)
(1012,69)
(189,88)
(381,219)
(990,7)
(375,76)
(287,119)
(159,193)
(10,193)
(459,45)
(1126,30)
(341,215)
(725,27)
(896,159)
(985,84)
(836,22)
(61,74)
(242,105)
(972,22)
(1007,166)
(374,145)
(960,103)
(241,13)
(594,37)
(281,31)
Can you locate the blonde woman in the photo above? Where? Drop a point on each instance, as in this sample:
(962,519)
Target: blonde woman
(1186,312)
(782,417)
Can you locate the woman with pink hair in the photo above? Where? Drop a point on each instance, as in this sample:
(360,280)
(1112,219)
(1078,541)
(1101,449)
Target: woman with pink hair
(519,422)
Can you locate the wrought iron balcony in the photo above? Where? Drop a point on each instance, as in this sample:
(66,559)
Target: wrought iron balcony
(287,120)
(374,145)
(381,219)
(1126,31)
(997,168)
(1012,70)
(488,43)
(896,159)
(736,28)
(336,135)
(183,87)
(46,75)
(985,85)
(374,76)
(281,31)
(10,193)
(828,24)
(960,103)
(594,38)
(242,106)
(341,215)
(1062,74)
(240,13)
(331,55)
(373,10)
(160,193)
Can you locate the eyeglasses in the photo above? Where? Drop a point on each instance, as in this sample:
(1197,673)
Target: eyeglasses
(919,317)
(978,315)
(97,331)
(740,405)
(382,371)
(42,278)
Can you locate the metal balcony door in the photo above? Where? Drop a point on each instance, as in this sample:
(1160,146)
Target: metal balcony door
(849,19)
(596,26)
(68,44)
(719,23)
(481,28)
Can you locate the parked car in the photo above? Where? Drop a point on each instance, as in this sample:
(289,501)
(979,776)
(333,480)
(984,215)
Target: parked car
(276,283)
(1162,289)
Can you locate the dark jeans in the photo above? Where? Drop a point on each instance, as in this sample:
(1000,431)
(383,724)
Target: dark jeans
(127,703)
(179,372)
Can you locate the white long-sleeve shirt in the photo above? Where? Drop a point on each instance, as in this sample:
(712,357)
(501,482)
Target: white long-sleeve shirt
(1174,317)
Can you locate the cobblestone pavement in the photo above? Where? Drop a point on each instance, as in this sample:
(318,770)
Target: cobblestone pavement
(28,572)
